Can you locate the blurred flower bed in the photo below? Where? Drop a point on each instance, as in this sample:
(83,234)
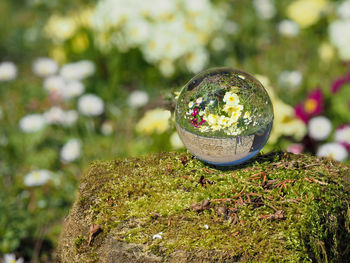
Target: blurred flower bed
(96,80)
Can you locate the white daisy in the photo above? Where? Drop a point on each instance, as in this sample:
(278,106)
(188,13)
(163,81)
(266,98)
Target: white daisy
(107,128)
(77,70)
(44,67)
(138,98)
(71,151)
(55,84)
(90,105)
(290,79)
(319,128)
(190,104)
(37,177)
(199,101)
(265,9)
(11,258)
(8,71)
(288,28)
(333,150)
(32,123)
(74,88)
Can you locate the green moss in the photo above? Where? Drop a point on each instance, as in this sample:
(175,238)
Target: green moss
(135,198)
(79,241)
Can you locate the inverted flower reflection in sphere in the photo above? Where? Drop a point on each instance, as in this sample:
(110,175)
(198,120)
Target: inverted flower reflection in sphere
(224,116)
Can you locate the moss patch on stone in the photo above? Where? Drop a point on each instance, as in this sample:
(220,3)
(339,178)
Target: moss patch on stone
(278,207)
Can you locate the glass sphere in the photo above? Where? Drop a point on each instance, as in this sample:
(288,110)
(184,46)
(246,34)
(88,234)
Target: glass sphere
(224,116)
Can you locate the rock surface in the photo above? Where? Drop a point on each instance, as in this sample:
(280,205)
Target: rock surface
(171,207)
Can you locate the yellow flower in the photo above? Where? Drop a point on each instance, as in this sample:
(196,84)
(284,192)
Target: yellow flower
(215,127)
(326,52)
(154,121)
(306,12)
(80,43)
(235,116)
(212,119)
(225,121)
(60,28)
(231,98)
(58,54)
(233,109)
(285,122)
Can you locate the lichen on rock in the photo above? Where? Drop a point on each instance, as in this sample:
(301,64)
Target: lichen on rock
(277,207)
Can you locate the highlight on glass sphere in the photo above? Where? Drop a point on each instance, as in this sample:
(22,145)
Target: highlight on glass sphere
(224,116)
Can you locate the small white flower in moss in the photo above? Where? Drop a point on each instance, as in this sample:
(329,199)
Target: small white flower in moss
(37,177)
(138,98)
(175,141)
(199,101)
(11,258)
(32,123)
(71,151)
(333,150)
(158,236)
(231,98)
(190,104)
(319,128)
(206,226)
(44,67)
(8,71)
(54,84)
(241,76)
(90,105)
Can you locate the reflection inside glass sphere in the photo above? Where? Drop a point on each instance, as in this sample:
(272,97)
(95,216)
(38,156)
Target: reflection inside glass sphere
(224,116)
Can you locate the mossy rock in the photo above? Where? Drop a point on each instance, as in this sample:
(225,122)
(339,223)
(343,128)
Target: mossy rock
(278,207)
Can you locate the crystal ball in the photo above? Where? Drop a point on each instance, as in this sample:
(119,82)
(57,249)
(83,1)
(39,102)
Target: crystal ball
(224,116)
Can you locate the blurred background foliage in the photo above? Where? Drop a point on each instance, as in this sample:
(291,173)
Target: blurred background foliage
(131,60)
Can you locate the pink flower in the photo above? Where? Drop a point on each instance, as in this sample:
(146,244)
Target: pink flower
(295,148)
(312,106)
(195,112)
(339,82)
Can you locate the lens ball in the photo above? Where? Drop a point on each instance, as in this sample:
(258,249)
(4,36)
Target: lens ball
(224,116)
